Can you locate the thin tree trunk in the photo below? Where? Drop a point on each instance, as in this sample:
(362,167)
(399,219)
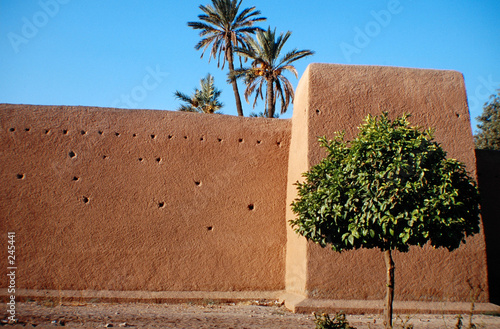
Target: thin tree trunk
(389,294)
(235,84)
(270,99)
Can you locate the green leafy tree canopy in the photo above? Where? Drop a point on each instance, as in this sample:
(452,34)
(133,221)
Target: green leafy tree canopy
(390,188)
(489,136)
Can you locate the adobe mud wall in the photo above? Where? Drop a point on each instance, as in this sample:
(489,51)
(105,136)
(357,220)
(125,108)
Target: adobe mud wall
(108,199)
(332,98)
(133,200)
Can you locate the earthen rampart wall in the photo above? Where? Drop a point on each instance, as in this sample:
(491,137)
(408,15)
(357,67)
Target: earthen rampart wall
(135,200)
(108,199)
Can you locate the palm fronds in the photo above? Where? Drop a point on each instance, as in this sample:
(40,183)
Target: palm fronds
(267,68)
(203,100)
(222,29)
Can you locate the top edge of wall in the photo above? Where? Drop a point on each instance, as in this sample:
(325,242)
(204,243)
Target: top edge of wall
(89,109)
(317,66)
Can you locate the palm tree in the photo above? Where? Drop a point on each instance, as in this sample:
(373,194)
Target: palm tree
(204,100)
(267,69)
(223,28)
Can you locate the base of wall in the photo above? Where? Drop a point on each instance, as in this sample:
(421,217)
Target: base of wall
(300,304)
(160,297)
(294,302)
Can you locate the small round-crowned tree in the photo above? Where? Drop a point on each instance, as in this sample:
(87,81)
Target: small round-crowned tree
(390,188)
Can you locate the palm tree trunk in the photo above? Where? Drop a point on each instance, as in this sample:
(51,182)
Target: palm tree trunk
(389,294)
(270,99)
(234,83)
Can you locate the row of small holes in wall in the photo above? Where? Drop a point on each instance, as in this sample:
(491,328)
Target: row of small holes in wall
(250,207)
(151,136)
(72,154)
(84,199)
(161,204)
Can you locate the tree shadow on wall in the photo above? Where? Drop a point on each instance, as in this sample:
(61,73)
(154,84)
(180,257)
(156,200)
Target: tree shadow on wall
(488,169)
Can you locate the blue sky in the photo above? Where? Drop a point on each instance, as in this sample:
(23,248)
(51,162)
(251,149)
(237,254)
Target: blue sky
(136,54)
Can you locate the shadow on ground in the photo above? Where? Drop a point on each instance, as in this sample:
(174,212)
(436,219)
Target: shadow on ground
(488,168)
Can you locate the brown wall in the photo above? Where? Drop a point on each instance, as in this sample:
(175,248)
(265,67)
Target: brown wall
(177,220)
(338,97)
(108,199)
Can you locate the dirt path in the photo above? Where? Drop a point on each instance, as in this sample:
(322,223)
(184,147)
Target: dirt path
(99,315)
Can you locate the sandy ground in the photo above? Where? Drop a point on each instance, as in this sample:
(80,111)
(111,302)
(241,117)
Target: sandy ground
(244,315)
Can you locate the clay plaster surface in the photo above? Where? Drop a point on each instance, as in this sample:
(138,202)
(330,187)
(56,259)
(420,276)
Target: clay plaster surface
(338,97)
(109,199)
(155,201)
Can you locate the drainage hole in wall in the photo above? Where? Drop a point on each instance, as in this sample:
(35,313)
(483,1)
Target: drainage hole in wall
(47,131)
(219,139)
(141,159)
(134,135)
(258,142)
(278,144)
(170,136)
(251,206)
(12,129)
(185,137)
(65,131)
(240,140)
(153,136)
(100,132)
(202,138)
(161,204)
(210,228)
(85,199)
(75,178)
(26,129)
(104,156)
(158,160)
(117,134)
(83,132)
(458,115)
(197,183)
(20,176)
(318,111)
(72,154)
